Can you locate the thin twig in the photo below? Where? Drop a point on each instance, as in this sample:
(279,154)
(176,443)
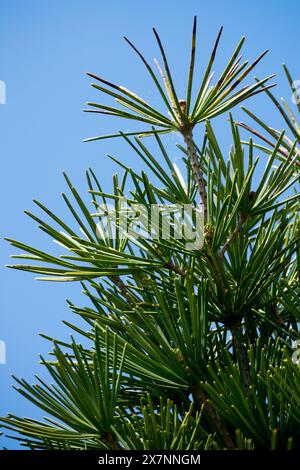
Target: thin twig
(232,236)
(281,150)
(123,289)
(174,268)
(278,317)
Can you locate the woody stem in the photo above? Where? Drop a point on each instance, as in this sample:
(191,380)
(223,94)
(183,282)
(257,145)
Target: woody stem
(193,157)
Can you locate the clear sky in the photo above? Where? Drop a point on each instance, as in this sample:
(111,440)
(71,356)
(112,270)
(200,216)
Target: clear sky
(45,48)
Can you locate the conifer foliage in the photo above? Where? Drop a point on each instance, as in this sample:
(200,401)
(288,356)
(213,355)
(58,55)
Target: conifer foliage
(183,348)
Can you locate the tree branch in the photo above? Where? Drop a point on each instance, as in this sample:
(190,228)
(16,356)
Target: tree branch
(220,426)
(232,236)
(192,154)
(281,150)
(123,289)
(109,440)
(241,353)
(174,268)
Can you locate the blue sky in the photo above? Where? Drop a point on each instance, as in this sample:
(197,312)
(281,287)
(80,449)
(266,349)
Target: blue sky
(45,48)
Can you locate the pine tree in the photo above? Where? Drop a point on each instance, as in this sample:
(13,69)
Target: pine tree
(183,348)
